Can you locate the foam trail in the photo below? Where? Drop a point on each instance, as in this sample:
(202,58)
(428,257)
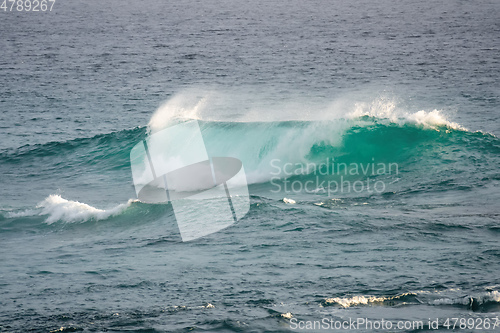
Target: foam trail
(60,209)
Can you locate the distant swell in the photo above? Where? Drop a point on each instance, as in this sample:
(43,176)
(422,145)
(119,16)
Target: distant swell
(102,145)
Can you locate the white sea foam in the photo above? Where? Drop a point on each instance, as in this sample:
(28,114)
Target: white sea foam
(242,105)
(446,299)
(494,295)
(347,302)
(382,108)
(432,119)
(182,106)
(59,209)
(387,109)
(355,300)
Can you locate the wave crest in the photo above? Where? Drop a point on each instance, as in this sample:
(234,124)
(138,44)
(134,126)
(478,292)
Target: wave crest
(56,208)
(347,302)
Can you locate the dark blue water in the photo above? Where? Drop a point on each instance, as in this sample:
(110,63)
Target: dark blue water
(409,84)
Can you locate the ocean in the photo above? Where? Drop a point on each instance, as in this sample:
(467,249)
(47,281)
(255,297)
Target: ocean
(368,133)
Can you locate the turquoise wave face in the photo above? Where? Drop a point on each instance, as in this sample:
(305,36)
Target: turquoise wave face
(404,157)
(257,144)
(292,141)
(361,140)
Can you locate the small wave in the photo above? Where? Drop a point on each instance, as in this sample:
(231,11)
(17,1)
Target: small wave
(112,142)
(57,208)
(473,302)
(433,119)
(480,301)
(57,213)
(347,302)
(23,213)
(386,109)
